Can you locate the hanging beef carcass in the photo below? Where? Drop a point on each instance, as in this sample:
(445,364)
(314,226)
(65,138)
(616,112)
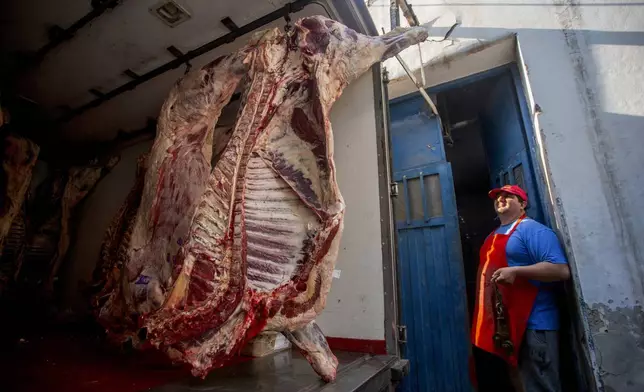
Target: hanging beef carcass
(114,255)
(217,254)
(81,180)
(18,160)
(45,234)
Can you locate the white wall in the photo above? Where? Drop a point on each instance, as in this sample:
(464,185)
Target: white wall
(355,306)
(585,68)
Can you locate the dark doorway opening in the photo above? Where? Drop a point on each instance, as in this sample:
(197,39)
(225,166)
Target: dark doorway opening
(486,144)
(462,109)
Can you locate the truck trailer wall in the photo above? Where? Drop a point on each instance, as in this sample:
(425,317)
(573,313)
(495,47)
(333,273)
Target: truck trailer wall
(584,62)
(355,306)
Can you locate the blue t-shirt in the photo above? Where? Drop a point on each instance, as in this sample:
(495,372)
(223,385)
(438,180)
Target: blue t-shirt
(533,243)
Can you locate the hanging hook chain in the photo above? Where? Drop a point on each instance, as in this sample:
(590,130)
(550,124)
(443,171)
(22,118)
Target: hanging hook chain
(287,17)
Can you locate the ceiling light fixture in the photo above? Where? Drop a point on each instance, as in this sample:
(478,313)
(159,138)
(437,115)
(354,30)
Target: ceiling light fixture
(170,12)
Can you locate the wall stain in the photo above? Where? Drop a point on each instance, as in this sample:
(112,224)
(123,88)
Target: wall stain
(616,332)
(584,346)
(619,336)
(603,150)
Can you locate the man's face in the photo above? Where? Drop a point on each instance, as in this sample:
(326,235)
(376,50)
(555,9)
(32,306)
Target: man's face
(507,203)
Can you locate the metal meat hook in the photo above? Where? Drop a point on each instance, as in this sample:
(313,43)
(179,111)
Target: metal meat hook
(287,17)
(501,326)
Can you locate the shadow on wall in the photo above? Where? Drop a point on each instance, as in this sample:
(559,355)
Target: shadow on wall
(624,125)
(592,37)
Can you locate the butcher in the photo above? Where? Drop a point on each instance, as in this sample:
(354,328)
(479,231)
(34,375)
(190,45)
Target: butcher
(516,315)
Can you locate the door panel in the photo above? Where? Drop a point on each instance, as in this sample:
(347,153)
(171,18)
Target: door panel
(417,139)
(506,144)
(431,277)
(421,198)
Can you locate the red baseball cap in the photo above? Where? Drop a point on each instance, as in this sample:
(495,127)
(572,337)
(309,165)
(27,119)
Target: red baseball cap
(511,189)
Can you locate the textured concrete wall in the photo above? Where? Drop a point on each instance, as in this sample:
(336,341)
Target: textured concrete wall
(584,63)
(355,306)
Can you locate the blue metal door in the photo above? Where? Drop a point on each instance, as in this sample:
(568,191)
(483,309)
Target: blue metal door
(505,143)
(430,267)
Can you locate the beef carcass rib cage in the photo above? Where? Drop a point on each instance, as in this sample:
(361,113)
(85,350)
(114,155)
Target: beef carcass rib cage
(216,254)
(19,156)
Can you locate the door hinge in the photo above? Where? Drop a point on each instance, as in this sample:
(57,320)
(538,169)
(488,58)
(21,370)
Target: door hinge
(385,75)
(393,189)
(402,334)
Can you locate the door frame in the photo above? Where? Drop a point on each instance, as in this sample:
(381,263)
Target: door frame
(582,346)
(433,240)
(526,124)
(387,224)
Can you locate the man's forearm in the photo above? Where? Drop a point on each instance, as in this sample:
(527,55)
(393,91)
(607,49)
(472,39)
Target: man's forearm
(544,272)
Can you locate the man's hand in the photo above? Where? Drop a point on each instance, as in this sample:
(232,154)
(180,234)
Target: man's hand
(543,272)
(505,275)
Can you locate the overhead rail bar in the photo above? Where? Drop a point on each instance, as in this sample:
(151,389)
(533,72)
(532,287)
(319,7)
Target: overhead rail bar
(283,12)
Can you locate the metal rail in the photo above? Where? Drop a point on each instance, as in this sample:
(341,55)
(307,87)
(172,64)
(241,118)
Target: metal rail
(288,9)
(61,35)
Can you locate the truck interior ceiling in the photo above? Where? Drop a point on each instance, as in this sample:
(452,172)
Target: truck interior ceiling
(83,82)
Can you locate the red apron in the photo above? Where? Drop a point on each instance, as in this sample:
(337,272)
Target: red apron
(509,320)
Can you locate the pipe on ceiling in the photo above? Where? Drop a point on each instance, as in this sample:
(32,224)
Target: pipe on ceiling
(408,12)
(394,14)
(286,10)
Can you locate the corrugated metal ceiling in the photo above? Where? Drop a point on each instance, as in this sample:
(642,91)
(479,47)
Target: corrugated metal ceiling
(125,37)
